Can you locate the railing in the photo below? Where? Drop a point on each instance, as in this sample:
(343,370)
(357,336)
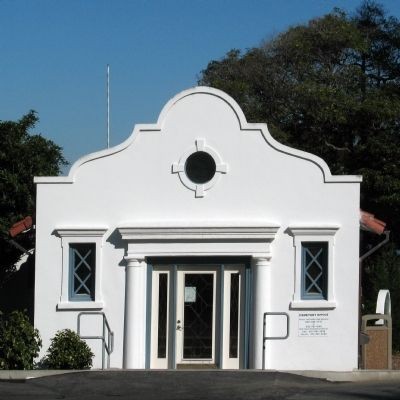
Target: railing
(266,314)
(107,345)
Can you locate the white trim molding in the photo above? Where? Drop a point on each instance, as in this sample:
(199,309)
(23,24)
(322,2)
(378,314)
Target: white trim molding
(219,233)
(80,305)
(314,233)
(219,240)
(80,232)
(179,168)
(80,235)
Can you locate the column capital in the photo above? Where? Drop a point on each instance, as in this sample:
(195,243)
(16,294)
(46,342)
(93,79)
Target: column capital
(262,261)
(133,261)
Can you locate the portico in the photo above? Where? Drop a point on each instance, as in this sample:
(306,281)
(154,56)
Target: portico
(206,247)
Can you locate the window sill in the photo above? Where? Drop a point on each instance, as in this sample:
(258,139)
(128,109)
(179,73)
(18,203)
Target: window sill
(80,305)
(305,304)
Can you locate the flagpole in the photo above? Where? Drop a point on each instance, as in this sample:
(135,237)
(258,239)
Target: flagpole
(108,106)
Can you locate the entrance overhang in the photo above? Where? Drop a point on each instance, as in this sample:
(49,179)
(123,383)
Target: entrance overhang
(192,240)
(222,239)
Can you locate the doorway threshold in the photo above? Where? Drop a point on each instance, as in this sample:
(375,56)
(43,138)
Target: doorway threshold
(196,366)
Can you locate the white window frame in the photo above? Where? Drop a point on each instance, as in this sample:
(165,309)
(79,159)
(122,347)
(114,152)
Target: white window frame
(227,361)
(73,235)
(155,362)
(313,234)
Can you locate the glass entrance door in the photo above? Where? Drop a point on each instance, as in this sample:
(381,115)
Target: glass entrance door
(195,317)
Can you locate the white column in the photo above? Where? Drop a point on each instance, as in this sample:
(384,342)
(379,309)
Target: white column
(135,314)
(260,269)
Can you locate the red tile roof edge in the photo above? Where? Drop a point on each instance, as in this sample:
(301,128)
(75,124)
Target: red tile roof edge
(21,226)
(368,222)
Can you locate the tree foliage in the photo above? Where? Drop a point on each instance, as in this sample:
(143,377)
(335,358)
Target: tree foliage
(19,341)
(330,87)
(22,156)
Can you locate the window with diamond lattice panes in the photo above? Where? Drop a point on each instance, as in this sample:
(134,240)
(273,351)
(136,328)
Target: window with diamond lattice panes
(314,270)
(82,271)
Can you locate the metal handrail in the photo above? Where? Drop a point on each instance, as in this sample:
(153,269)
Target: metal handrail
(107,346)
(276,337)
(273,337)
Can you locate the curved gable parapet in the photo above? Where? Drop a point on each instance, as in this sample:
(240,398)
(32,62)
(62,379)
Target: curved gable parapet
(243,124)
(238,112)
(70,178)
(319,162)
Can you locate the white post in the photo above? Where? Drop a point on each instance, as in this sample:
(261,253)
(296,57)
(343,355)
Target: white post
(135,314)
(260,267)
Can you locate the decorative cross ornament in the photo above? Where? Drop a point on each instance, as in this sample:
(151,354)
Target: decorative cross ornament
(199,167)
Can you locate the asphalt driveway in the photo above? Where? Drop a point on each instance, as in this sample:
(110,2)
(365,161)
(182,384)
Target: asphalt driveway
(187,385)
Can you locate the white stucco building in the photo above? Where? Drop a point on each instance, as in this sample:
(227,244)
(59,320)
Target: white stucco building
(187,233)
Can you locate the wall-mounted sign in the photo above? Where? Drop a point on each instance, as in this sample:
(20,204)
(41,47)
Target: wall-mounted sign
(313,324)
(190,294)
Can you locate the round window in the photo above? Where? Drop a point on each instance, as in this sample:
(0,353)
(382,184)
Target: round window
(200,167)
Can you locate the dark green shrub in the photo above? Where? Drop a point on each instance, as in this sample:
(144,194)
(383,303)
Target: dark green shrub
(19,341)
(68,351)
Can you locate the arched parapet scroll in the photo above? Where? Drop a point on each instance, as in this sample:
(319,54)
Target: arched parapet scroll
(237,113)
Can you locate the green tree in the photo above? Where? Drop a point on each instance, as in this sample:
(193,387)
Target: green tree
(19,341)
(330,87)
(22,156)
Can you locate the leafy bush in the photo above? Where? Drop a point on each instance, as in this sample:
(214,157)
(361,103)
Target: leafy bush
(68,351)
(19,341)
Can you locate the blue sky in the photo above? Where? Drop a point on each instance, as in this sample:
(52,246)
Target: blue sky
(53,56)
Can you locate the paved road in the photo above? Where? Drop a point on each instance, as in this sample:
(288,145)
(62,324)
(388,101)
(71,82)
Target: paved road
(188,385)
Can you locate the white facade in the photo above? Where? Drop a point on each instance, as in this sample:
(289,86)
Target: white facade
(185,271)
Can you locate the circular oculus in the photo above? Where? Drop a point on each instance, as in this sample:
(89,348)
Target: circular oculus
(200,167)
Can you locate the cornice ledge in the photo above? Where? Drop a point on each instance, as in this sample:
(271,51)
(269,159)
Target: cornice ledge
(198,233)
(314,230)
(81,232)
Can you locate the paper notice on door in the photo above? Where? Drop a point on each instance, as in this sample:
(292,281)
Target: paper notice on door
(190,294)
